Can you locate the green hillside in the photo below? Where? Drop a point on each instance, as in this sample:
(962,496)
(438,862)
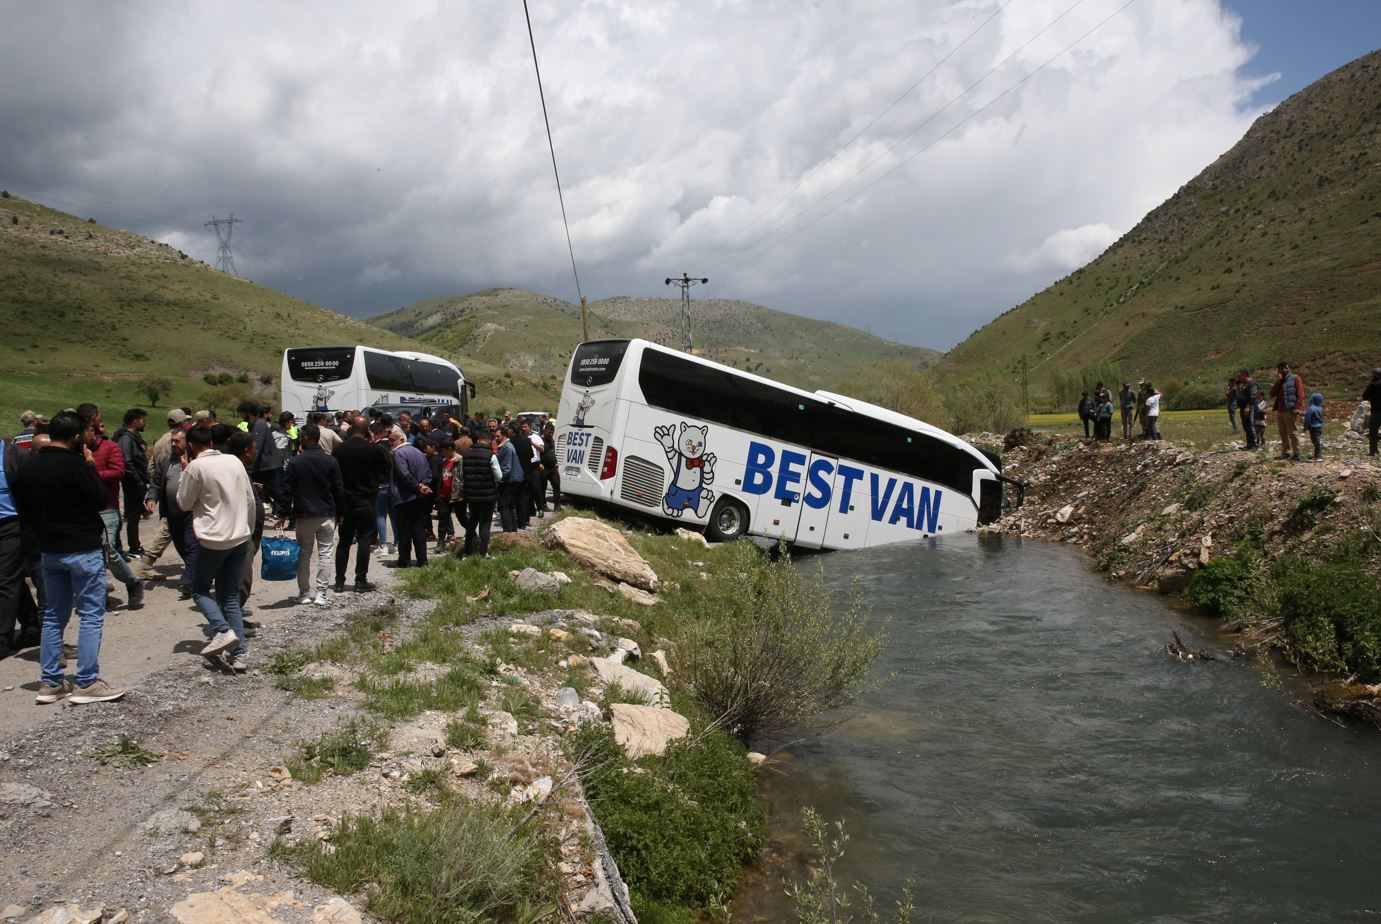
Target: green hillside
(86,311)
(532,334)
(1274,251)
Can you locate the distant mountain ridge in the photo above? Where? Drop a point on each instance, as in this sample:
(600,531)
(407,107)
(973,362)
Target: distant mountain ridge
(533,333)
(1273,251)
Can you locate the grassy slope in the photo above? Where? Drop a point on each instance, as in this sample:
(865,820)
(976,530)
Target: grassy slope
(534,334)
(1270,252)
(85,313)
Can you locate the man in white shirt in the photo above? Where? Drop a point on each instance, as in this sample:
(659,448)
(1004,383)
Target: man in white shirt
(215,489)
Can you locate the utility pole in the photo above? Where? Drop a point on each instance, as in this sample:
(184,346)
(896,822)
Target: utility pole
(1025,397)
(225,260)
(685,283)
(584,319)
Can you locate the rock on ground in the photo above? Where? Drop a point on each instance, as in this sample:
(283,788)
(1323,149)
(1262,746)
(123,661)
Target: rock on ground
(538,581)
(644,730)
(650,688)
(603,549)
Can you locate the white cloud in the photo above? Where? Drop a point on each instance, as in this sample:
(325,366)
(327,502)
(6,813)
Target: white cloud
(1065,250)
(378,154)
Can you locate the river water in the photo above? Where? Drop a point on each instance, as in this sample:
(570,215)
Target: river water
(1037,756)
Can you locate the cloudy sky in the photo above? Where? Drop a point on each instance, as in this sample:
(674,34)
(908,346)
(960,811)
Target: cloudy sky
(914,167)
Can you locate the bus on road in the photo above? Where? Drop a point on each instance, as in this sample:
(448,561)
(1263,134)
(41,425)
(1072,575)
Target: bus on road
(344,378)
(679,437)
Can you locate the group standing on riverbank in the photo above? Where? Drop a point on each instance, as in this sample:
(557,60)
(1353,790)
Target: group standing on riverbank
(339,480)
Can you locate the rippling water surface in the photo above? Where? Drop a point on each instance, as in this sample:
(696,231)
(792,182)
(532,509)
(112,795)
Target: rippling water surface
(1038,757)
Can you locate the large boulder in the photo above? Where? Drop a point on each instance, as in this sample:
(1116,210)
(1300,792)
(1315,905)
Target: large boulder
(644,730)
(649,688)
(603,549)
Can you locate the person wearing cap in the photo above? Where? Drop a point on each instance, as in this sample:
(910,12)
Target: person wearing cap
(204,419)
(25,436)
(179,421)
(1372,393)
(1248,392)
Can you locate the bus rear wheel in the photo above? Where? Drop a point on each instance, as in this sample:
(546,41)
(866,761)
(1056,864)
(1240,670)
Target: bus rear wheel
(728,521)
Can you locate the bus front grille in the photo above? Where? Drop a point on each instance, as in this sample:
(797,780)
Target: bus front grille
(596,459)
(642,482)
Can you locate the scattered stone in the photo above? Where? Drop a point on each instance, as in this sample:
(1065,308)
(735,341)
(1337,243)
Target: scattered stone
(118,916)
(630,646)
(279,774)
(68,914)
(659,657)
(577,661)
(438,750)
(522,628)
(691,535)
(637,595)
(1064,514)
(568,698)
(169,822)
(228,906)
(558,635)
(336,911)
(584,616)
(561,577)
(1171,510)
(639,684)
(25,796)
(1131,537)
(1345,473)
(505,723)
(756,759)
(11,912)
(602,548)
(617,656)
(538,789)
(462,766)
(537,581)
(644,730)
(192,860)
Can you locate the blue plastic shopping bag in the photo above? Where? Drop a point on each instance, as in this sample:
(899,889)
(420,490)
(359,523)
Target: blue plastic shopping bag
(280,558)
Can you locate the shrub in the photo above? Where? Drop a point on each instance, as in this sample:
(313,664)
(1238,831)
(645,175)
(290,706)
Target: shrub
(342,752)
(1308,508)
(773,653)
(1222,586)
(1331,619)
(209,378)
(1194,396)
(224,378)
(821,899)
(990,403)
(682,827)
(154,387)
(459,862)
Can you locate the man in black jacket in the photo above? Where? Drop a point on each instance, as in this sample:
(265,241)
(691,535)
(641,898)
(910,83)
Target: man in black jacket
(364,466)
(130,439)
(482,476)
(16,603)
(313,494)
(60,493)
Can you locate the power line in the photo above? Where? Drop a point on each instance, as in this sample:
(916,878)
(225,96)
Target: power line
(848,144)
(685,283)
(559,195)
(759,246)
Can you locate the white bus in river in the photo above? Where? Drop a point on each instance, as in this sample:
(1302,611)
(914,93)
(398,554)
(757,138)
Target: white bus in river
(671,435)
(353,378)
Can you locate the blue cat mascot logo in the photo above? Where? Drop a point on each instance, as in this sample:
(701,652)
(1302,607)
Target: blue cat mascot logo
(582,409)
(692,469)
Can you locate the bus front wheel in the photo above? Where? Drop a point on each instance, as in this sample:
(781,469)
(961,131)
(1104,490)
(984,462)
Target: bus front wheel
(728,521)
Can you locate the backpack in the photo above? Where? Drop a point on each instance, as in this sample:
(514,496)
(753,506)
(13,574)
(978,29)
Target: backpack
(281,440)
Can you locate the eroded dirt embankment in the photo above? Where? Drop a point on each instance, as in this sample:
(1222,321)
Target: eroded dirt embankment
(1155,514)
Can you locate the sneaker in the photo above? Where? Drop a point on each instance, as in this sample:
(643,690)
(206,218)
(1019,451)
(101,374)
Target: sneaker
(98,692)
(47,694)
(237,663)
(1294,458)
(321,600)
(220,642)
(252,624)
(136,596)
(184,593)
(339,586)
(304,600)
(440,548)
(364,587)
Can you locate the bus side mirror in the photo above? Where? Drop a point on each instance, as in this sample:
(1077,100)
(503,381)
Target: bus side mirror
(470,387)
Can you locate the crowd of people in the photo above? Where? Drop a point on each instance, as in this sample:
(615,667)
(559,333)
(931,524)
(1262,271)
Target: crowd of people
(1141,406)
(72,501)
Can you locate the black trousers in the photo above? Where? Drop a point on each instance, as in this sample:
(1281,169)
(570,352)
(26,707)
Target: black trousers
(412,531)
(536,497)
(551,478)
(16,603)
(357,526)
(1247,427)
(479,515)
(134,512)
(1088,422)
(508,501)
(1372,429)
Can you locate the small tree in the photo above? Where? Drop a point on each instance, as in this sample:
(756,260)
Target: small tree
(770,653)
(155,387)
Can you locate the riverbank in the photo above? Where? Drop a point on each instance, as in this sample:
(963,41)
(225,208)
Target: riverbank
(518,722)
(1287,553)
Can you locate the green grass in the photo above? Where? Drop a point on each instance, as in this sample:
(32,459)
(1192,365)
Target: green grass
(1203,429)
(342,751)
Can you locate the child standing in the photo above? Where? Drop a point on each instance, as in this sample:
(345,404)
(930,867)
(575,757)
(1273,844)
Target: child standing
(1313,422)
(1102,425)
(1259,421)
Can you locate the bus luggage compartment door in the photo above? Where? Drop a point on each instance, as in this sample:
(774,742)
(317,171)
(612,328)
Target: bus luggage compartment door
(778,512)
(814,508)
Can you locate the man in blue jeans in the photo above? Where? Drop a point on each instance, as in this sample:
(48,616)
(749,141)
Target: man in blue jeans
(59,493)
(216,491)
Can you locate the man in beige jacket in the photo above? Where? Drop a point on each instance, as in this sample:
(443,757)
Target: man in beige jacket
(215,489)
